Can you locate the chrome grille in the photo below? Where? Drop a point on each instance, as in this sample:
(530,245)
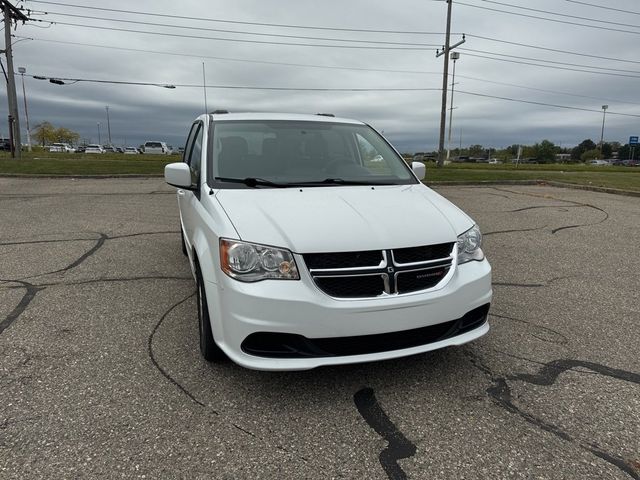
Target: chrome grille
(375,273)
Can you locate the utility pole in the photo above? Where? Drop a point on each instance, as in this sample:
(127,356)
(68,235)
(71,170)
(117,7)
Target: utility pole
(22,71)
(604,115)
(12,13)
(454,56)
(108,124)
(445,77)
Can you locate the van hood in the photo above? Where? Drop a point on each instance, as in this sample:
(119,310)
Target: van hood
(344,218)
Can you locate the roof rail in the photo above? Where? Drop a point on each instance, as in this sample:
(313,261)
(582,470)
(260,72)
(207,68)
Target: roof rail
(326,114)
(219,112)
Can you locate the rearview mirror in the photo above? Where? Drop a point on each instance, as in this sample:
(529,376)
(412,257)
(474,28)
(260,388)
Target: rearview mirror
(178,175)
(419,169)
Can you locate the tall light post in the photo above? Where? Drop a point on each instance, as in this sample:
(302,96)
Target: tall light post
(604,115)
(108,124)
(454,56)
(99,140)
(22,71)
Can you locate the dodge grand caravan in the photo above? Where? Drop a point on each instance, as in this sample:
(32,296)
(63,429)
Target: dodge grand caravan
(313,243)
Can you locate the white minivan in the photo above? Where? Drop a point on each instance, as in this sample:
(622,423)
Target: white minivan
(313,243)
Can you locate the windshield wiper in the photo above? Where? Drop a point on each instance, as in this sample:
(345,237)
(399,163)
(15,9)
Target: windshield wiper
(341,181)
(253,182)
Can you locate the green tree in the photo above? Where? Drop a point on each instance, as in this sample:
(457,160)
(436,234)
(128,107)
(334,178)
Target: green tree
(607,150)
(545,151)
(590,155)
(585,145)
(476,151)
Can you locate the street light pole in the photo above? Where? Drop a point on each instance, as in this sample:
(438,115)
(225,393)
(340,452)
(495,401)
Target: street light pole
(99,140)
(604,115)
(22,71)
(454,56)
(108,124)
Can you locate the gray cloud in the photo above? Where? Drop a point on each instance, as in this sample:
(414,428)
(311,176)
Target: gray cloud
(409,119)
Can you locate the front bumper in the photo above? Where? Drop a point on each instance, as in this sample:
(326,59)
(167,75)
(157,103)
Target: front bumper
(241,312)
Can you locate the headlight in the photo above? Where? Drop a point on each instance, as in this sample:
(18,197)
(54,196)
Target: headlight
(249,262)
(469,245)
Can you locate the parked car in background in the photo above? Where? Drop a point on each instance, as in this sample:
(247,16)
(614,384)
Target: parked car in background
(599,162)
(61,148)
(131,151)
(5,144)
(156,148)
(494,161)
(120,149)
(109,149)
(94,148)
(288,278)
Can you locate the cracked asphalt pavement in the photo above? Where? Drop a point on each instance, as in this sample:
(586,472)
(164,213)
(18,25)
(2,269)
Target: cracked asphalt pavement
(100,374)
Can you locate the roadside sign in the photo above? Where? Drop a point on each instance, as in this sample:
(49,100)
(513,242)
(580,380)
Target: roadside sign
(633,140)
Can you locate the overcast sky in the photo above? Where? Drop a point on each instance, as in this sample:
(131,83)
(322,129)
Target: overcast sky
(410,119)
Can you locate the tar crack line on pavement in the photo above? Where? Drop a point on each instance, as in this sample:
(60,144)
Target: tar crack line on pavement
(544,334)
(155,361)
(572,202)
(31,291)
(399,446)
(99,244)
(500,393)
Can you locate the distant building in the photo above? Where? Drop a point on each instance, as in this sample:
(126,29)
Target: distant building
(563,157)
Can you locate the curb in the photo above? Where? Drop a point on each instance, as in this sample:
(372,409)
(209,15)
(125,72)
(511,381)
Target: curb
(549,183)
(81,177)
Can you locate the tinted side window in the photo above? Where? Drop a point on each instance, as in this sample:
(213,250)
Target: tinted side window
(195,155)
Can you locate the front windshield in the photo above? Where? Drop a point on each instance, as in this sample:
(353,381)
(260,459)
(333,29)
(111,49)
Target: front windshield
(294,152)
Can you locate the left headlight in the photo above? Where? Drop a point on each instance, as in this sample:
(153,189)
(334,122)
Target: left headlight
(250,262)
(470,245)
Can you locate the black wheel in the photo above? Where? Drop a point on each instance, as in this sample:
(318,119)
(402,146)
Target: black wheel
(208,348)
(184,245)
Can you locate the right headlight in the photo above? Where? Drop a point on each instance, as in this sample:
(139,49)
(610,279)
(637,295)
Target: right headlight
(251,262)
(470,245)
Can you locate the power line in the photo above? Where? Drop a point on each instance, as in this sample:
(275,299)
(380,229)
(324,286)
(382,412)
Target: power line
(565,22)
(566,15)
(165,34)
(552,66)
(324,89)
(551,61)
(332,67)
(238,22)
(544,90)
(603,7)
(266,62)
(546,104)
(261,34)
(72,81)
(548,49)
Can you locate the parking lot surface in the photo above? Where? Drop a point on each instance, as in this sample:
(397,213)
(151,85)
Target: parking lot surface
(100,373)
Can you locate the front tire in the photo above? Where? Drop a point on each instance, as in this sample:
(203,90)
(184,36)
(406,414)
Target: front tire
(208,348)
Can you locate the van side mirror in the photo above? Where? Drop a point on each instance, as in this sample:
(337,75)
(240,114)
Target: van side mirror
(178,175)
(419,169)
